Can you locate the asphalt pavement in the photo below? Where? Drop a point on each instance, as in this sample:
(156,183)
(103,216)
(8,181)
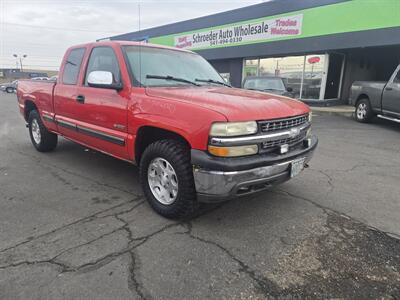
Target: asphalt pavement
(74,225)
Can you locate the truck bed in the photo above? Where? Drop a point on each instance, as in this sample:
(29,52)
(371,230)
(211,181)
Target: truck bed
(367,89)
(36,90)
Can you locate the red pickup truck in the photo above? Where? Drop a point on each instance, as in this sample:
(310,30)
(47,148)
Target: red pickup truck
(194,137)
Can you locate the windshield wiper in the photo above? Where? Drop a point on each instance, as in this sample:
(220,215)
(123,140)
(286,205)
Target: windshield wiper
(213,81)
(172,78)
(70,62)
(272,90)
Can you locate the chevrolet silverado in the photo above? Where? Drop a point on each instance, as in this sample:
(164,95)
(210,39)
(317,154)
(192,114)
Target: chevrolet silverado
(195,138)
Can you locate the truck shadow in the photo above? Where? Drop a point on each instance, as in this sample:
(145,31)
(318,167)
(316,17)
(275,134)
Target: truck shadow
(386,124)
(111,171)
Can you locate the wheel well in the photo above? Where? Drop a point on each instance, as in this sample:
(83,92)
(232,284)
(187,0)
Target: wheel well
(29,106)
(148,134)
(362,96)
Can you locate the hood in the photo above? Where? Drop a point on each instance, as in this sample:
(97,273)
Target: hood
(235,104)
(279,92)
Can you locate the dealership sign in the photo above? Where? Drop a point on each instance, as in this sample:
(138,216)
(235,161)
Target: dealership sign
(242,33)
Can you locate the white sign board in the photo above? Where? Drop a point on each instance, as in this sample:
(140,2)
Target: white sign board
(243,33)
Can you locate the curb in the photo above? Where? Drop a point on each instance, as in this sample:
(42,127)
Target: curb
(332,112)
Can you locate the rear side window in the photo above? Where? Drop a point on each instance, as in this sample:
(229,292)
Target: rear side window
(103,59)
(73,65)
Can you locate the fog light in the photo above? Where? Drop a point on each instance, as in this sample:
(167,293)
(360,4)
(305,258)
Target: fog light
(307,143)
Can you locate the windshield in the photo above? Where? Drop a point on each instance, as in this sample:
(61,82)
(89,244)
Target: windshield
(264,84)
(156,62)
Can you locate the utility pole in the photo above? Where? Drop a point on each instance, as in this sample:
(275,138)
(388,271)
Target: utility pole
(21,57)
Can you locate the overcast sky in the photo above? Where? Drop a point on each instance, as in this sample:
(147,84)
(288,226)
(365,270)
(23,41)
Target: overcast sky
(43,29)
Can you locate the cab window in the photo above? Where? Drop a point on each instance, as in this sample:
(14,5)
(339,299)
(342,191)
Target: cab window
(72,66)
(103,59)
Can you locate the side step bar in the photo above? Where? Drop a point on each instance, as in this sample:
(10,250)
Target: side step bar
(389,118)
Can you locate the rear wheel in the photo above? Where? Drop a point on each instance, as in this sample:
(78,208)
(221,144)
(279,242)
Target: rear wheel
(167,179)
(9,90)
(364,113)
(42,139)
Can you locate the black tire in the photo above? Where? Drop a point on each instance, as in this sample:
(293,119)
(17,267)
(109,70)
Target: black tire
(178,156)
(363,111)
(48,140)
(9,90)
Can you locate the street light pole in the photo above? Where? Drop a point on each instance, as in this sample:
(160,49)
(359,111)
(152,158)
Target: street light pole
(21,57)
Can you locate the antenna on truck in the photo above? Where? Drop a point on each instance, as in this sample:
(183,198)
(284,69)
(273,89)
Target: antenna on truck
(140,47)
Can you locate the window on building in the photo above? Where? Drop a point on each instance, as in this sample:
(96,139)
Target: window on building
(73,65)
(313,76)
(250,68)
(288,68)
(303,74)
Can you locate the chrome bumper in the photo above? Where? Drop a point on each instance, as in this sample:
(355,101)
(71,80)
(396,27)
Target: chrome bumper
(218,186)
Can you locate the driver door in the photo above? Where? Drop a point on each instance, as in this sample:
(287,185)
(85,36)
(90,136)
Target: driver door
(101,113)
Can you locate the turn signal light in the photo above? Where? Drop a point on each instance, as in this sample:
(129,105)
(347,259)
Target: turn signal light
(233,151)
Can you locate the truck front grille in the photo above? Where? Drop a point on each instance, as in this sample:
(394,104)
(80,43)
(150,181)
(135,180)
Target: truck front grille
(274,125)
(271,145)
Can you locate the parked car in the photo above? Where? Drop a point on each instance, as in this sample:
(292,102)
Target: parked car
(194,138)
(40,78)
(377,98)
(53,78)
(269,84)
(9,87)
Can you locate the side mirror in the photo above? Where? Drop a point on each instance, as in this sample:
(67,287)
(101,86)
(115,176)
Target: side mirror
(289,89)
(103,79)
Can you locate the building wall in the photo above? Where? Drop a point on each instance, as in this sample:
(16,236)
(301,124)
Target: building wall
(232,66)
(376,64)
(270,8)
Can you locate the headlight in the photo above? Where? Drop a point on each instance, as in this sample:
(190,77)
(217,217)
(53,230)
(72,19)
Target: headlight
(233,128)
(310,116)
(233,151)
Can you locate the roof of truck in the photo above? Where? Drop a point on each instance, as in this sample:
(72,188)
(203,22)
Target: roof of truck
(129,43)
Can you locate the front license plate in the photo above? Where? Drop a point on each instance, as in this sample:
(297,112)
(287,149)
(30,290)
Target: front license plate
(296,167)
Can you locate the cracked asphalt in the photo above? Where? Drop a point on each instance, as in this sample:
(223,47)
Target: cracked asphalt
(74,225)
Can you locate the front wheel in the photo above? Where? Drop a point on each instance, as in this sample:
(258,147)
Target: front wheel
(167,179)
(9,90)
(364,113)
(42,139)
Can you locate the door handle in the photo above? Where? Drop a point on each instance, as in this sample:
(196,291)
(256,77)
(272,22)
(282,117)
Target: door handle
(388,88)
(80,99)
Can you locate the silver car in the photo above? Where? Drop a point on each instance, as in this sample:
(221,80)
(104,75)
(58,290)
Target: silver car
(10,87)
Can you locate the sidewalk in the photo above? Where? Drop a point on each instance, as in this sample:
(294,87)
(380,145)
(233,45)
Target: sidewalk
(343,110)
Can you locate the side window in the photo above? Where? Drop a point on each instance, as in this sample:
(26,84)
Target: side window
(397,78)
(72,66)
(103,59)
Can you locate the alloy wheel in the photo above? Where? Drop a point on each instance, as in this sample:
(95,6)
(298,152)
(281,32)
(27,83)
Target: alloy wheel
(163,181)
(35,128)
